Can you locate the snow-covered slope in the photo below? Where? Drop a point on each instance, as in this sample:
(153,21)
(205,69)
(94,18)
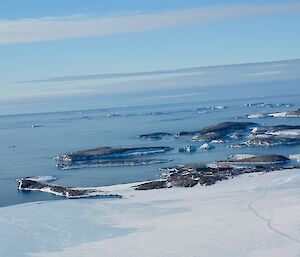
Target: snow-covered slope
(251,215)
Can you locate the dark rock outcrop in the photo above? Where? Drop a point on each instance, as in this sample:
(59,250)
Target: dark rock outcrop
(155,136)
(155,184)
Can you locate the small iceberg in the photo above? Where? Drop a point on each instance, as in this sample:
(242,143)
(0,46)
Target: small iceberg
(115,114)
(220,107)
(206,146)
(217,141)
(256,116)
(187,149)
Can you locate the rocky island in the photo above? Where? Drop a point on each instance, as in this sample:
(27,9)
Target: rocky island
(256,159)
(110,157)
(155,136)
(272,136)
(109,163)
(111,153)
(221,131)
(240,134)
(33,184)
(284,114)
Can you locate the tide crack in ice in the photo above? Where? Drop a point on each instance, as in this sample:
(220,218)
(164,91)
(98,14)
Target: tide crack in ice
(255,211)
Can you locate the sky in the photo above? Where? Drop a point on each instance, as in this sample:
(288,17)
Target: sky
(59,47)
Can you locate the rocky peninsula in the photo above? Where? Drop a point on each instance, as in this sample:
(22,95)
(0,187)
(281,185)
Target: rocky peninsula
(189,175)
(33,184)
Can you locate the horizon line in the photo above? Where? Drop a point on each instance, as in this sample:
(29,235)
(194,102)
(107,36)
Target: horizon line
(115,75)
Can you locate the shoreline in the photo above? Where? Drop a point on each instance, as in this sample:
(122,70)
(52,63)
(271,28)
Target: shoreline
(128,189)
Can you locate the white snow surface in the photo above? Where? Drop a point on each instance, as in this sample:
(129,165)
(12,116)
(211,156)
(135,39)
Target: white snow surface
(253,215)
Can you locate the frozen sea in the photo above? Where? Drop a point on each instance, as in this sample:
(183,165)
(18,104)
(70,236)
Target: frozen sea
(29,141)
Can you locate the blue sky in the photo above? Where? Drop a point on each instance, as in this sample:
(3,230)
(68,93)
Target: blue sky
(184,34)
